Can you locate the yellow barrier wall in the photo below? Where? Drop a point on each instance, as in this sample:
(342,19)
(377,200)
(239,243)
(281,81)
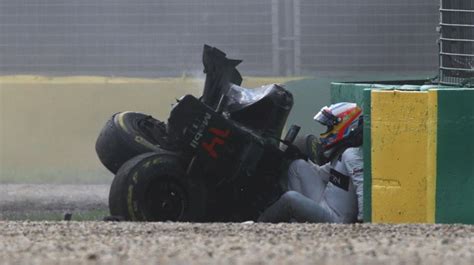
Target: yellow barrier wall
(403,156)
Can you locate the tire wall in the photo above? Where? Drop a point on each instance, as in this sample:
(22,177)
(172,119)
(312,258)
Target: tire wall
(417,152)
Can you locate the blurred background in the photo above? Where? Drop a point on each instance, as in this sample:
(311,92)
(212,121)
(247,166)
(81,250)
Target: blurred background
(149,38)
(67,66)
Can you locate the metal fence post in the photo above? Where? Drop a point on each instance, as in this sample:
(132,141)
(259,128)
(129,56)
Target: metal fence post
(288,37)
(275,38)
(297,36)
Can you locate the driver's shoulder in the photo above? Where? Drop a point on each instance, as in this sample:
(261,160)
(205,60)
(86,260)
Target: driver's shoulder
(352,153)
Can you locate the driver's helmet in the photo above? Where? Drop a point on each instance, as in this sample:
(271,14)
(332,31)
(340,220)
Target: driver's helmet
(341,119)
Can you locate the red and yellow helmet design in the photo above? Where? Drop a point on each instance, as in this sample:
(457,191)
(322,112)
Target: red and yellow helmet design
(341,119)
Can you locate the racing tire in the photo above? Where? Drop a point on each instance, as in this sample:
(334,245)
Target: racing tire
(155,187)
(128,134)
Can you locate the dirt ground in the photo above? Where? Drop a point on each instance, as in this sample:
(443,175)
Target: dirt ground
(97,242)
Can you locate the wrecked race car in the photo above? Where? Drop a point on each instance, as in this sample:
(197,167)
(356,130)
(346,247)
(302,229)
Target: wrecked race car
(219,157)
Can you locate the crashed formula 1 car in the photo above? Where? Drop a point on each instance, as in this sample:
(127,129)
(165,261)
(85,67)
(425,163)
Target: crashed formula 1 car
(219,157)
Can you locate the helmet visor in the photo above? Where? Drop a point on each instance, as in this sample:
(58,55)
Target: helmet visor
(326,118)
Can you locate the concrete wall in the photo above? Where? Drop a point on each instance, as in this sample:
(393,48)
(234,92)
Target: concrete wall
(417,152)
(455,156)
(403,155)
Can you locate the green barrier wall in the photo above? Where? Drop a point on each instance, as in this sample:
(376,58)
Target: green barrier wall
(367,158)
(346,92)
(455,157)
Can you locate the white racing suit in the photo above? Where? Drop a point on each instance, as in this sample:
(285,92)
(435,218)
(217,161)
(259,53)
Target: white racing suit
(331,193)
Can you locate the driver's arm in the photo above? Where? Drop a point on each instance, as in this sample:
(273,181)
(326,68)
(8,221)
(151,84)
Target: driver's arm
(322,171)
(353,161)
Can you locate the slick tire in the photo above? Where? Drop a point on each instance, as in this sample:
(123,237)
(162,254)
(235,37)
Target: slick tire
(128,134)
(155,187)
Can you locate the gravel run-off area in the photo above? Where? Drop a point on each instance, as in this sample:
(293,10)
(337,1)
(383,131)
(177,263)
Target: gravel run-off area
(186,243)
(98,242)
(51,202)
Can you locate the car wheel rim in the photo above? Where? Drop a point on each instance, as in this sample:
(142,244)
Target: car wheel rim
(166,200)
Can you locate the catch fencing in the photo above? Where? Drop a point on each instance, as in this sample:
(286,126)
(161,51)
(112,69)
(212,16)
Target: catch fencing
(165,38)
(456,42)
